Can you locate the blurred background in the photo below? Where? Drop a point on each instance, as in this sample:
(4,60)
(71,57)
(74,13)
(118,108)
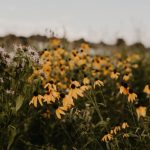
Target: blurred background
(95,21)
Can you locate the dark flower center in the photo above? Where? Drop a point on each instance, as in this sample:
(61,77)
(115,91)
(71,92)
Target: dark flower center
(62,95)
(35,93)
(96,79)
(106,67)
(130,91)
(62,69)
(73,86)
(51,82)
(85,75)
(125,85)
(115,71)
(73,79)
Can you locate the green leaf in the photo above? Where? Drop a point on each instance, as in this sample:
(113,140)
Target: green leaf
(12,135)
(19,102)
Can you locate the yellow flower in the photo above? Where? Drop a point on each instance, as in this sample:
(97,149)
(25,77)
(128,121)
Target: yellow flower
(116,129)
(35,99)
(98,82)
(85,46)
(86,81)
(111,131)
(147,89)
(76,83)
(67,101)
(60,111)
(52,93)
(114,74)
(124,88)
(50,85)
(127,68)
(75,92)
(107,137)
(141,111)
(106,70)
(125,125)
(127,76)
(125,135)
(85,87)
(131,96)
(46,68)
(49,98)
(46,54)
(96,63)
(61,85)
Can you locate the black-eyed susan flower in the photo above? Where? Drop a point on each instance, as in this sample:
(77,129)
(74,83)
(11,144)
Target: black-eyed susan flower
(75,91)
(61,85)
(86,81)
(67,101)
(76,83)
(60,111)
(147,89)
(127,68)
(127,76)
(106,138)
(106,70)
(49,98)
(124,88)
(114,74)
(98,83)
(116,129)
(124,125)
(50,85)
(140,110)
(46,69)
(131,96)
(51,94)
(45,55)
(36,98)
(96,63)
(85,87)
(85,46)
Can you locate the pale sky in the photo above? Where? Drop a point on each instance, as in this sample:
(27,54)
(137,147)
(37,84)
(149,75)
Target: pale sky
(94,20)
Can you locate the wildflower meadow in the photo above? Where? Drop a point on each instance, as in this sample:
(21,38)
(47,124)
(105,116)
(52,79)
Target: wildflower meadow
(62,98)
